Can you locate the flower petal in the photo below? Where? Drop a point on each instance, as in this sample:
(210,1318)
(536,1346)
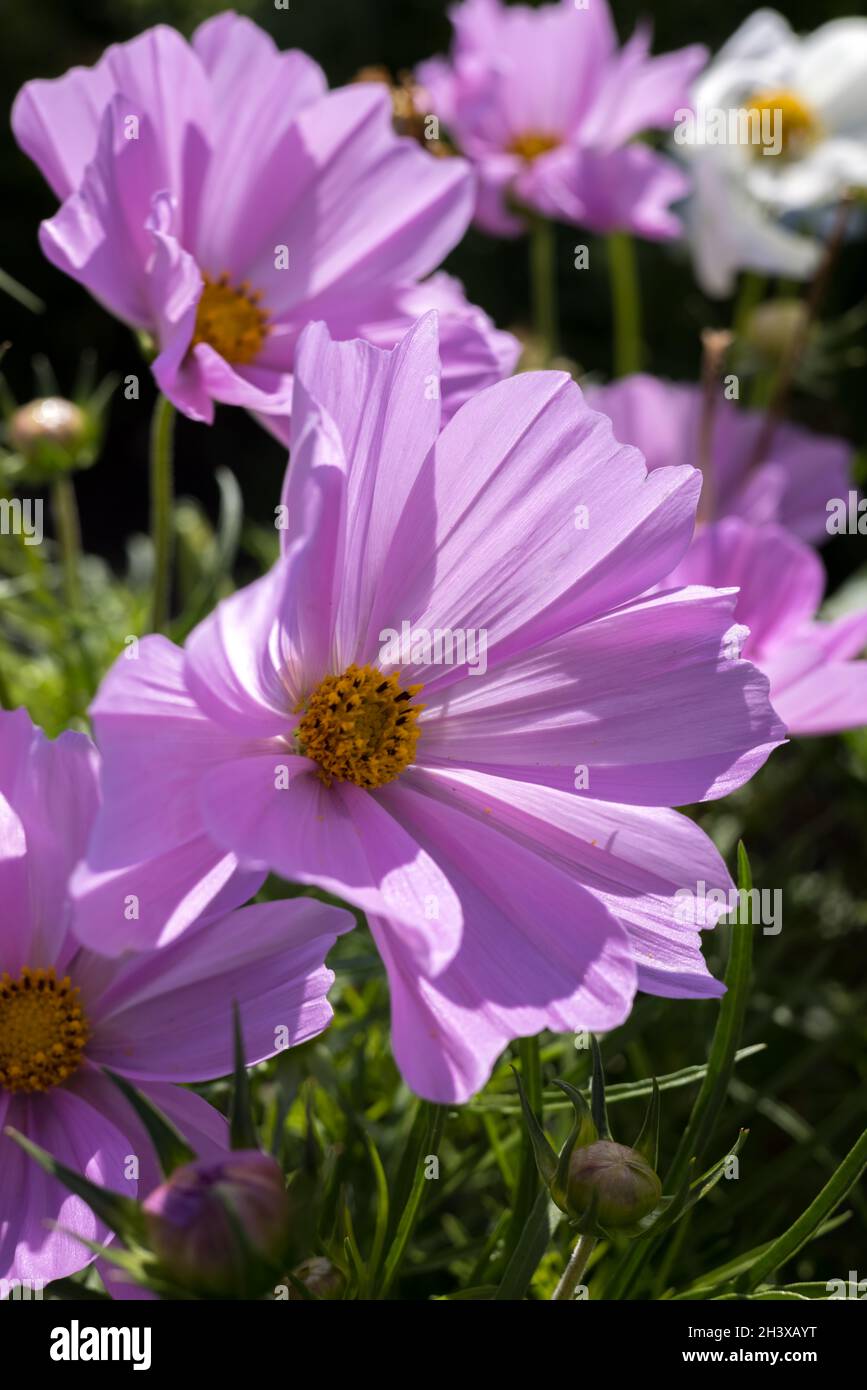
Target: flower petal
(538,951)
(274,809)
(553,524)
(651,703)
(168,1016)
(84,1139)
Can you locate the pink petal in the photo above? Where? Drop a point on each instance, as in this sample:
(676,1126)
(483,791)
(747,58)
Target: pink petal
(387,419)
(82,1138)
(239,57)
(780,580)
(537,951)
(51,790)
(651,702)
(140,906)
(167,1017)
(498,545)
(640,863)
(361,206)
(153,739)
(340,839)
(57,122)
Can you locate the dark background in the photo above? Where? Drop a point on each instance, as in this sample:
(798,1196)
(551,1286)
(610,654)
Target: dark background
(42,38)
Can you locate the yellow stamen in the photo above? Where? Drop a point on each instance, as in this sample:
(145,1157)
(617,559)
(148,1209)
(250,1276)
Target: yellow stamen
(360,727)
(531,145)
(230,320)
(42,1030)
(799,127)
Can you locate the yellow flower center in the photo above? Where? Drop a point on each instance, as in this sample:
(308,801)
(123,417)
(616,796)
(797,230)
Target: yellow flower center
(42,1030)
(360,727)
(230,320)
(798,128)
(531,145)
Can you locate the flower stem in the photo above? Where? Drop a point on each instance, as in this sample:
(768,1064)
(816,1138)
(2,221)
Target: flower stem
(64,508)
(543,285)
(625,303)
(715,343)
(571,1277)
(750,294)
(162,480)
(785,379)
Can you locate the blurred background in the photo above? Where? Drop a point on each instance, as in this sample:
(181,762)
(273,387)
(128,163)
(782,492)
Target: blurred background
(803,819)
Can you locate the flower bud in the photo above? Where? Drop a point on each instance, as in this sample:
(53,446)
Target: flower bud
(47,419)
(623,1183)
(219,1229)
(773,327)
(320,1277)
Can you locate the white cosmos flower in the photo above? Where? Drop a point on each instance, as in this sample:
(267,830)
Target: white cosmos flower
(813,90)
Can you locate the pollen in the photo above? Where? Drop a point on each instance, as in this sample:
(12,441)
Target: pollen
(531,145)
(42,1030)
(799,127)
(231,320)
(360,727)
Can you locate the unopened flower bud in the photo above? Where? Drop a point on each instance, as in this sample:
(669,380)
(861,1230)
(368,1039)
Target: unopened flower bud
(320,1277)
(48,419)
(220,1228)
(773,327)
(623,1183)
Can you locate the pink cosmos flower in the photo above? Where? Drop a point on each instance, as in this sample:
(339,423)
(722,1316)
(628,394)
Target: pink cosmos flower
(158,1019)
(217,197)
(505,827)
(545,103)
(790,486)
(815,686)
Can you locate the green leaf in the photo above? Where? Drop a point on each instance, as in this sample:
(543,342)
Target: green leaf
(713,1279)
(242,1126)
(424,1142)
(618,1092)
(597,1093)
(790,1242)
(381,1224)
(546,1158)
(582,1133)
(121,1214)
(171,1148)
(527,1185)
(16,290)
(647,1143)
(529,1250)
(711,1097)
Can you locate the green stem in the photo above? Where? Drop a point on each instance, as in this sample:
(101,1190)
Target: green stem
(625,303)
(571,1278)
(751,292)
(162,480)
(64,509)
(543,285)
